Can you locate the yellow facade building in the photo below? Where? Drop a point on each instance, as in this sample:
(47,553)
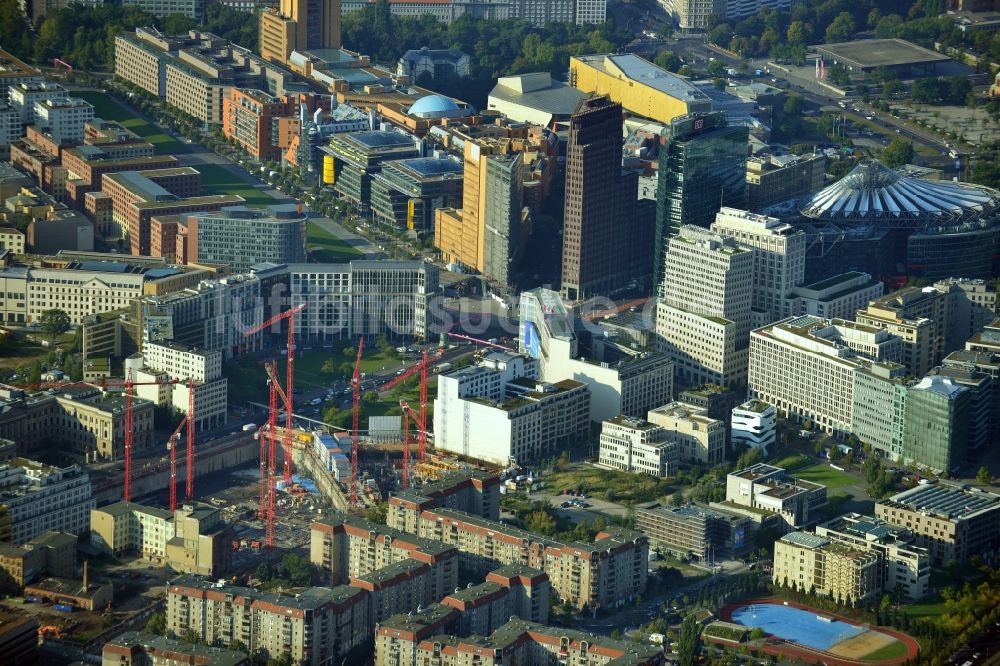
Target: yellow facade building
(641,87)
(299,25)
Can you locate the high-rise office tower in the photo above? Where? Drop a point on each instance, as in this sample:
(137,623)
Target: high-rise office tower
(488,232)
(704,321)
(702,168)
(603,241)
(299,25)
(504,219)
(780,258)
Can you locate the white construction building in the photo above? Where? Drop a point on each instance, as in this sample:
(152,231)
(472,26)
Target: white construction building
(638,446)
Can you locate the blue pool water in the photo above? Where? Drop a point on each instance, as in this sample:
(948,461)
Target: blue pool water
(796,625)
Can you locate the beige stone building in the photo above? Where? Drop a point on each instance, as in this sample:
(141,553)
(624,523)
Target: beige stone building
(904,566)
(698,437)
(779,260)
(602,574)
(317,626)
(193,539)
(704,319)
(50,554)
(952,522)
(638,446)
(399,570)
(826,568)
(472,491)
(516,642)
(768,489)
(824,354)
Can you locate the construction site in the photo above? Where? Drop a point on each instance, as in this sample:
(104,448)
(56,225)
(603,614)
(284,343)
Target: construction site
(268,481)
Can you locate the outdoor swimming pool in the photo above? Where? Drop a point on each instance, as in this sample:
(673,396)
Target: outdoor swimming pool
(794,624)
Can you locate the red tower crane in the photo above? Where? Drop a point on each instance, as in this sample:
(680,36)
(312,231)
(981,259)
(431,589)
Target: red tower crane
(189,485)
(479,341)
(406,443)
(420,367)
(422,435)
(172,446)
(129,387)
(272,437)
(355,417)
(289,377)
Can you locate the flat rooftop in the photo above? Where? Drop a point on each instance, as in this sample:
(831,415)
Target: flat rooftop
(805,539)
(633,68)
(874,53)
(756,471)
(945,500)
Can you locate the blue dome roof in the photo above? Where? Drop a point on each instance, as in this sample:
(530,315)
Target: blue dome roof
(435,106)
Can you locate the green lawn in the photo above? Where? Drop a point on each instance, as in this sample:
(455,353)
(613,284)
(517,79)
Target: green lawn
(217,179)
(893,650)
(826,475)
(929,609)
(790,462)
(327,248)
(107,108)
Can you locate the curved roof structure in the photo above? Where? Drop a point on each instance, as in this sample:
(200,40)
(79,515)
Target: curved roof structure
(874,193)
(435,106)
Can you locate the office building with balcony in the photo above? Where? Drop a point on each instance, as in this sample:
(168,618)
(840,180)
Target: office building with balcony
(697,436)
(37,498)
(704,318)
(829,352)
(905,567)
(315,626)
(705,534)
(827,568)
(637,446)
(766,488)
(952,522)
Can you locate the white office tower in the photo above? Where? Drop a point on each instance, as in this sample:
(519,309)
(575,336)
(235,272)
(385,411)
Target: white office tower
(754,425)
(779,263)
(704,320)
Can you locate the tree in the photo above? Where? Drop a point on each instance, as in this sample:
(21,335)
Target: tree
(157,624)
(841,30)
(541,522)
(297,569)
(35,373)
(716,68)
(329,367)
(798,33)
(377,513)
(897,153)
(688,643)
(54,322)
(264,572)
(984,475)
(285,659)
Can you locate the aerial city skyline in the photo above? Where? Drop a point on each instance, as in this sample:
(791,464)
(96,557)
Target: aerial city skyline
(514,333)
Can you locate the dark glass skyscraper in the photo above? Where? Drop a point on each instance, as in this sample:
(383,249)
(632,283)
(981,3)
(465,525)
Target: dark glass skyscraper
(702,168)
(602,239)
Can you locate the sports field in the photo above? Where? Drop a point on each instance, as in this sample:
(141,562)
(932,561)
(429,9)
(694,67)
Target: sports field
(107,108)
